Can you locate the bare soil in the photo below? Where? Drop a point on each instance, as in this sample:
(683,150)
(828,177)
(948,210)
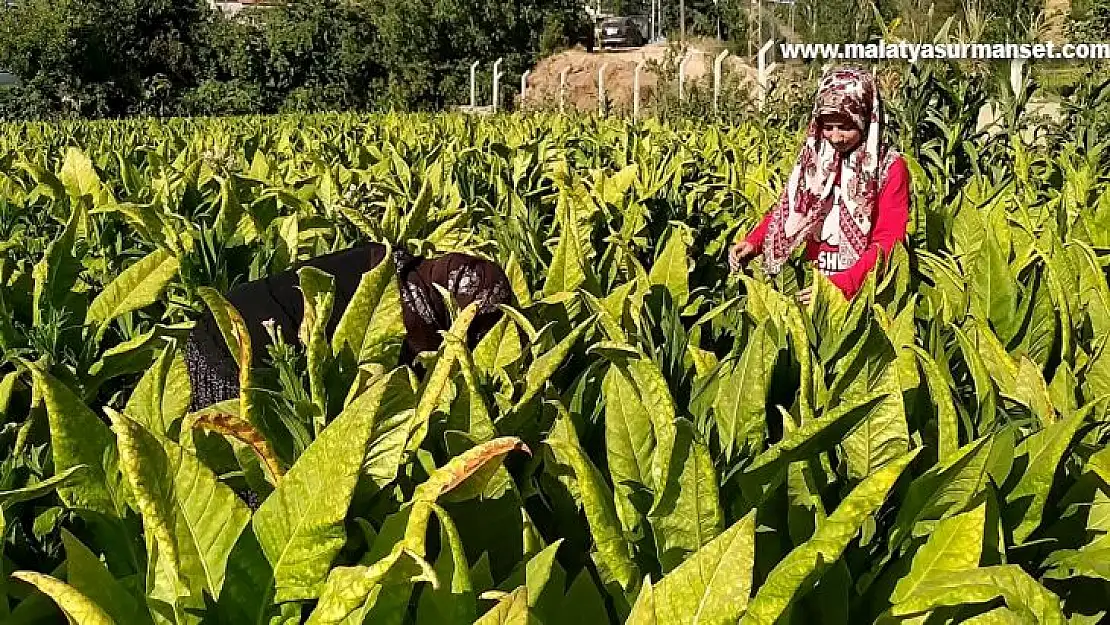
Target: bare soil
(582,74)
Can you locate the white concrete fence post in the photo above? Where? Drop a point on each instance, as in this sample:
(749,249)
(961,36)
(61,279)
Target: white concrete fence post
(1016,66)
(601,104)
(524,86)
(474,84)
(682,75)
(563,90)
(718,71)
(636,89)
(496,82)
(764,70)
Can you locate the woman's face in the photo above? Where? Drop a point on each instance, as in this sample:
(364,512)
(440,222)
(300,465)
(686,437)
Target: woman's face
(840,132)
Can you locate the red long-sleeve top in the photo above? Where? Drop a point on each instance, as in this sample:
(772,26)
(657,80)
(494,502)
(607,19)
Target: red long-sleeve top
(889,227)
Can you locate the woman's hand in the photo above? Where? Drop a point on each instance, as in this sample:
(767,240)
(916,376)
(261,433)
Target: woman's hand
(805,296)
(739,255)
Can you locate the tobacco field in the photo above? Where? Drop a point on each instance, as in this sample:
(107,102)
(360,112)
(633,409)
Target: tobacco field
(644,438)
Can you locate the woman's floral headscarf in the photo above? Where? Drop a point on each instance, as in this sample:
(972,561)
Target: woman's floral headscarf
(807,200)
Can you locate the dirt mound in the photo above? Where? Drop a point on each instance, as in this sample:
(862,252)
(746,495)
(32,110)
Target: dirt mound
(582,74)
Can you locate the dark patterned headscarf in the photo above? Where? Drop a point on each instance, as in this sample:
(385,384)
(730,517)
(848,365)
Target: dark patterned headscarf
(807,202)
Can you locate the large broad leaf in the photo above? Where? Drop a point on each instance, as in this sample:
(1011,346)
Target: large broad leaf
(884,435)
(568,270)
(454,601)
(711,587)
(192,518)
(1008,582)
(1091,560)
(1039,455)
(78,437)
(687,514)
(951,486)
(671,269)
(810,438)
(803,566)
(512,609)
(629,445)
(392,426)
(89,576)
(300,526)
(546,365)
(161,397)
(956,545)
(348,586)
(438,382)
(596,500)
(138,286)
(740,407)
(948,429)
(318,289)
(372,328)
(56,274)
(39,489)
(78,608)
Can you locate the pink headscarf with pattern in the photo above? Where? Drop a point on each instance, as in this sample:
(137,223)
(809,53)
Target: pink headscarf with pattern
(807,200)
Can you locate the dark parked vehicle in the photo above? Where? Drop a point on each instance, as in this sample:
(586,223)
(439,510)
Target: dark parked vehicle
(621,32)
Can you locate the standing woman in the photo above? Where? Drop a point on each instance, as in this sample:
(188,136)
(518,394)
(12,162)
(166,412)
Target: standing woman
(848,195)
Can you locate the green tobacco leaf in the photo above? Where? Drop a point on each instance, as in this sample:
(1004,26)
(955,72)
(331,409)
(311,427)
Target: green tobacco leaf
(1008,582)
(56,274)
(948,429)
(89,576)
(643,611)
(629,444)
(956,545)
(7,390)
(39,489)
(884,435)
(1091,560)
(318,289)
(712,587)
(985,391)
(583,603)
(568,270)
(386,451)
(453,603)
(231,325)
(372,329)
(994,293)
(687,514)
(79,609)
(510,610)
(193,518)
(997,616)
(671,269)
(880,438)
(948,487)
(78,437)
(161,397)
(1042,453)
(348,586)
(138,286)
(808,439)
(596,500)
(499,349)
(300,525)
(545,366)
(439,381)
(803,566)
(740,408)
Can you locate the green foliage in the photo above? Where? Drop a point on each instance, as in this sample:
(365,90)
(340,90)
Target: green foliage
(642,438)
